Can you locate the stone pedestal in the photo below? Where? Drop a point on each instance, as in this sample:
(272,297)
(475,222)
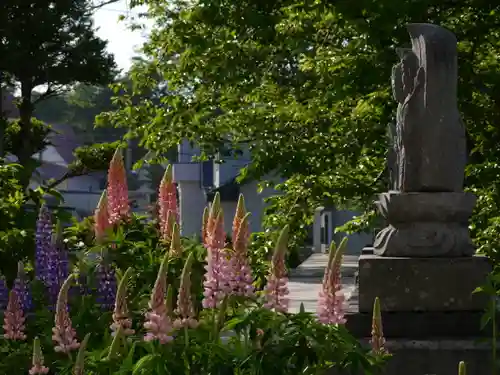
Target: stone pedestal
(422,224)
(422,284)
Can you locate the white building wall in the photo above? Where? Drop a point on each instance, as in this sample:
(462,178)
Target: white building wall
(356,241)
(192,202)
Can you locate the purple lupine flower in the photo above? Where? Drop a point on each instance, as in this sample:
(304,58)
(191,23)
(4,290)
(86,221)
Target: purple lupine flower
(83,283)
(22,289)
(106,286)
(4,294)
(52,280)
(43,238)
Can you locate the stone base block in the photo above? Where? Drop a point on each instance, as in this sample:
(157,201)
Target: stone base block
(421,325)
(433,357)
(422,284)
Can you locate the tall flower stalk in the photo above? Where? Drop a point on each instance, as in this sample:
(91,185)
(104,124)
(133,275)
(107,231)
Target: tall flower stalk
(4,293)
(241,278)
(158,322)
(13,319)
(37,367)
(101,218)
(121,316)
(175,243)
(118,205)
(186,316)
(276,290)
(63,333)
(168,212)
(43,238)
(57,267)
(377,341)
(22,288)
(215,284)
(331,297)
(106,286)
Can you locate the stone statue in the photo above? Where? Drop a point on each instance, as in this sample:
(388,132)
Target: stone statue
(430,135)
(426,210)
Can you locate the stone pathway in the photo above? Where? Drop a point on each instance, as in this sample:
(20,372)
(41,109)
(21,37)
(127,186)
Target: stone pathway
(305,280)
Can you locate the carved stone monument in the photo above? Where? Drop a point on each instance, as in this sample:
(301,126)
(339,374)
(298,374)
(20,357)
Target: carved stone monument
(428,212)
(422,264)
(418,260)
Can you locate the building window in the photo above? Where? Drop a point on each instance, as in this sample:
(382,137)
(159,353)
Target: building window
(207,173)
(102,183)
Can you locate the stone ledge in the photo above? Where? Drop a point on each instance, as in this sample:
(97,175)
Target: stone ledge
(422,284)
(421,325)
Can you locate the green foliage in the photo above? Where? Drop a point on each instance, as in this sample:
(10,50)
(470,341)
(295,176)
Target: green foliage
(50,44)
(305,86)
(240,337)
(16,224)
(94,157)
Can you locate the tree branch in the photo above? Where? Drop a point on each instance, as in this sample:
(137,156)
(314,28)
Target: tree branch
(104,3)
(63,178)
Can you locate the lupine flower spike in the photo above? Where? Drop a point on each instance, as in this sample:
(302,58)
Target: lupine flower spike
(79,367)
(121,317)
(204,223)
(101,218)
(37,362)
(213,211)
(185,310)
(118,206)
(175,243)
(158,322)
(43,238)
(276,290)
(167,204)
(13,319)
(55,265)
(377,342)
(462,369)
(241,278)
(106,287)
(4,293)
(63,333)
(331,297)
(22,288)
(63,261)
(215,283)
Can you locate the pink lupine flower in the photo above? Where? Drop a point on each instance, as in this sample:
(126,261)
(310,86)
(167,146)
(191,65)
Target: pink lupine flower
(215,283)
(118,206)
(377,341)
(158,322)
(175,243)
(101,218)
(276,289)
(121,316)
(37,362)
(204,224)
(13,319)
(185,310)
(63,333)
(241,274)
(168,211)
(331,297)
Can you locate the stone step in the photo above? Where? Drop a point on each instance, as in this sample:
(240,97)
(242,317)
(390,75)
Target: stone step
(306,291)
(314,266)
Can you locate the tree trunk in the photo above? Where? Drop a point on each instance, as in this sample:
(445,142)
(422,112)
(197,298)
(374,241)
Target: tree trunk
(25,153)
(3,121)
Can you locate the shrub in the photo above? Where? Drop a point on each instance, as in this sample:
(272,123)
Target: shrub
(146,301)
